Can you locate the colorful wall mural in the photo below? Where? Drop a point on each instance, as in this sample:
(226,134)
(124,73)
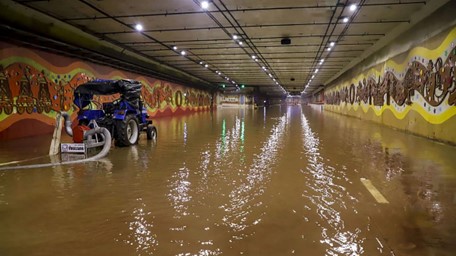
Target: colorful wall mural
(36,85)
(420,82)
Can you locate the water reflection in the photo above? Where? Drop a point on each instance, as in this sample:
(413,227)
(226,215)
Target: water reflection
(185,133)
(203,252)
(394,162)
(199,179)
(223,135)
(140,236)
(328,199)
(242,146)
(179,192)
(242,198)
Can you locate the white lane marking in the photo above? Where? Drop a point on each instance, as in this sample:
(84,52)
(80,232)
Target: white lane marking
(374,191)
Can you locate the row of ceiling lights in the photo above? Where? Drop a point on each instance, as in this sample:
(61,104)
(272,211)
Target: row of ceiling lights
(205,6)
(238,40)
(352,8)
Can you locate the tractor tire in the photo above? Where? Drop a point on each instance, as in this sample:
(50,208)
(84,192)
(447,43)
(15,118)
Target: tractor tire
(127,131)
(151,133)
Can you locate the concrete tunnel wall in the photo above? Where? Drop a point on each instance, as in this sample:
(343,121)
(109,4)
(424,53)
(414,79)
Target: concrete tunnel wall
(409,84)
(36,85)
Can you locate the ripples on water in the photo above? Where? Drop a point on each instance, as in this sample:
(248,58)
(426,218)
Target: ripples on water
(218,162)
(211,170)
(141,236)
(327,198)
(258,175)
(179,192)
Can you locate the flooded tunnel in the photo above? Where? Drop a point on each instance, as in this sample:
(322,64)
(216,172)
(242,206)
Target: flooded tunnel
(273,181)
(227,127)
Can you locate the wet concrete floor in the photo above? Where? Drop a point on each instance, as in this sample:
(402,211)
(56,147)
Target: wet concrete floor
(285,180)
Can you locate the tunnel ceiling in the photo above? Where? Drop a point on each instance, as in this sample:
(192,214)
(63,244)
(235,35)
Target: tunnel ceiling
(258,57)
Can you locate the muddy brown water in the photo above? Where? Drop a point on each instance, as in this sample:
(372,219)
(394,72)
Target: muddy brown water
(279,181)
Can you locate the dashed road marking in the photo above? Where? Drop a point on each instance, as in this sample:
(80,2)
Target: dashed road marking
(374,191)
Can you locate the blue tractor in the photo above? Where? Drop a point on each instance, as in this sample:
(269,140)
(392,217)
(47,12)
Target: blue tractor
(124,117)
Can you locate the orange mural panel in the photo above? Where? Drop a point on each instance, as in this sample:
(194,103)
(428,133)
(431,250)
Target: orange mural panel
(36,85)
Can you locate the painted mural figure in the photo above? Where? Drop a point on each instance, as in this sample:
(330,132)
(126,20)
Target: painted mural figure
(44,97)
(25,101)
(411,82)
(398,90)
(168,95)
(6,99)
(452,86)
(187,98)
(60,88)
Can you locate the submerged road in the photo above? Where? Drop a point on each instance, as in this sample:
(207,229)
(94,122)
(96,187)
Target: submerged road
(286,180)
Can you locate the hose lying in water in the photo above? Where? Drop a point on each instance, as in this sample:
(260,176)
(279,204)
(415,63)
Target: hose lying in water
(106,147)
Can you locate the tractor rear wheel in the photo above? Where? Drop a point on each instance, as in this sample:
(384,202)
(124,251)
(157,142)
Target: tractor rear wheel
(127,131)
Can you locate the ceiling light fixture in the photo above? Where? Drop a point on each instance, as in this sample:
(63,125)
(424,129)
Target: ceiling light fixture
(235,37)
(205,5)
(183,53)
(201,63)
(240,42)
(316,71)
(345,20)
(175,48)
(329,49)
(353,7)
(206,66)
(138,27)
(253,57)
(332,44)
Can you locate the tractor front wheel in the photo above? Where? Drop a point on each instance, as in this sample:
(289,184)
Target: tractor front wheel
(127,131)
(151,133)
